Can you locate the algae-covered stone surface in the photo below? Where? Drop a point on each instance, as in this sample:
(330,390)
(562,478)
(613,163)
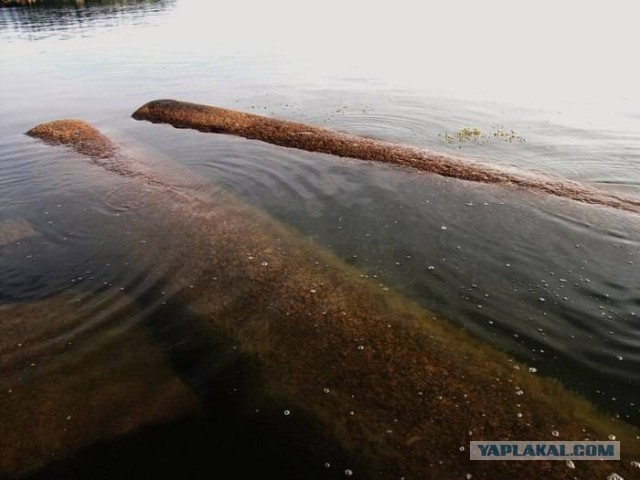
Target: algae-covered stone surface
(212,119)
(400,390)
(15,230)
(61,393)
(81,136)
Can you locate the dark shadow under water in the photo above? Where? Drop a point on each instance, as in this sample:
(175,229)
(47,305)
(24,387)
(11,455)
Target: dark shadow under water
(241,433)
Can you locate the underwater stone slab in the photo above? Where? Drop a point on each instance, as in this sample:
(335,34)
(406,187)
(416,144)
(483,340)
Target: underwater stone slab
(60,393)
(392,383)
(15,230)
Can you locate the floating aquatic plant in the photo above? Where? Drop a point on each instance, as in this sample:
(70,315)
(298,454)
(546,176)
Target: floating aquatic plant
(475,135)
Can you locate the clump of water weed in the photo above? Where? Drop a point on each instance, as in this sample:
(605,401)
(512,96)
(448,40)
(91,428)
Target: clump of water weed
(477,136)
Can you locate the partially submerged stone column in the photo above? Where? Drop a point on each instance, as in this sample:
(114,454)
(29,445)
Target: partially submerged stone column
(206,118)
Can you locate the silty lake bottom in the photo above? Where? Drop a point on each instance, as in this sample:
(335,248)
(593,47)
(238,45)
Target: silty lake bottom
(107,368)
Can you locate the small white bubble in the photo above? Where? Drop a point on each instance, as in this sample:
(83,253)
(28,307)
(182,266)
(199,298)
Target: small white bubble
(443,227)
(519,415)
(462,449)
(612,437)
(533,369)
(555,433)
(635,464)
(287,412)
(619,357)
(614,476)
(348,472)
(326,390)
(570,464)
(313,290)
(265,264)
(327,465)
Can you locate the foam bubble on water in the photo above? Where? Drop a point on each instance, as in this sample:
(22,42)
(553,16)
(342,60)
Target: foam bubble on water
(555,433)
(348,472)
(287,413)
(635,464)
(570,464)
(614,476)
(612,437)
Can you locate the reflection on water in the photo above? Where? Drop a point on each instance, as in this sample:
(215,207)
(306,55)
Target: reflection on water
(41,19)
(552,283)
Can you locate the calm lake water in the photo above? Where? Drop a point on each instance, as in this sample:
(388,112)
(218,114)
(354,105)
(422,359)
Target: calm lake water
(552,282)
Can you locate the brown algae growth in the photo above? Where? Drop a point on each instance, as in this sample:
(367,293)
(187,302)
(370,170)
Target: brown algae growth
(14,231)
(212,119)
(59,394)
(77,134)
(401,390)
(86,140)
